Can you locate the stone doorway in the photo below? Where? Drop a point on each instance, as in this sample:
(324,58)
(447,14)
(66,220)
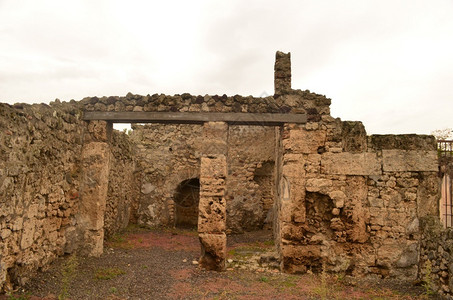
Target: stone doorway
(264,178)
(186,199)
(219,142)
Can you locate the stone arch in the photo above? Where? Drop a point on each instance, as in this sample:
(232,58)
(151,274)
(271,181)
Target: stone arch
(186,199)
(173,183)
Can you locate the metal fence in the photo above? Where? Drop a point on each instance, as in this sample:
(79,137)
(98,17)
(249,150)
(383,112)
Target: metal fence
(445,148)
(446,208)
(445,151)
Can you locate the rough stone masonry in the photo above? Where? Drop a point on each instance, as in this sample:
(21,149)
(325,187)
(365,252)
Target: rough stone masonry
(336,199)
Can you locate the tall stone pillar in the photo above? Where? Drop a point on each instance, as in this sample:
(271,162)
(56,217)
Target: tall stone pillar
(94,187)
(282,73)
(212,205)
(291,198)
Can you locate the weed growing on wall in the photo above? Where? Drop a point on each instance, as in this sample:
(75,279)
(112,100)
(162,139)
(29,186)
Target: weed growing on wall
(427,278)
(323,290)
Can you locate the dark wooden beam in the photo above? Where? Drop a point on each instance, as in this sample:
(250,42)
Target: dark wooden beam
(266,119)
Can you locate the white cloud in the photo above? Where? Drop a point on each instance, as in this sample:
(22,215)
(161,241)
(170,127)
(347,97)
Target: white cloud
(387,63)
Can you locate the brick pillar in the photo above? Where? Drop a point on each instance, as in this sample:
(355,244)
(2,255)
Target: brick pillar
(212,205)
(94,187)
(282,73)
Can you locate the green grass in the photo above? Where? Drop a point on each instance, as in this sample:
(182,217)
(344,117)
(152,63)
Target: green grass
(67,275)
(246,251)
(289,282)
(108,273)
(18,297)
(269,243)
(117,238)
(136,228)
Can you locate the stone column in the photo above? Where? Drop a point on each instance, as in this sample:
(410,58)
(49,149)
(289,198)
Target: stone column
(94,187)
(212,205)
(292,198)
(282,73)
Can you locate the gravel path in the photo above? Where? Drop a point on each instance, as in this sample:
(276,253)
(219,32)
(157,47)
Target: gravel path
(160,265)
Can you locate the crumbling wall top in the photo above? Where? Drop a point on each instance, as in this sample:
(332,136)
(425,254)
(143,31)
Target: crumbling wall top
(295,102)
(402,142)
(282,72)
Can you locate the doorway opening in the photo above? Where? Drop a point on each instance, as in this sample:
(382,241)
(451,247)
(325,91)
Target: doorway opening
(263,177)
(186,199)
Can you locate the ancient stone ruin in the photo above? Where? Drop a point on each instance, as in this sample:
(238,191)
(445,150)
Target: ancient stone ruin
(336,199)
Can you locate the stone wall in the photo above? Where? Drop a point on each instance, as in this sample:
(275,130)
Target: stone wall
(41,172)
(436,256)
(40,150)
(168,155)
(249,181)
(353,202)
(122,197)
(293,101)
(436,249)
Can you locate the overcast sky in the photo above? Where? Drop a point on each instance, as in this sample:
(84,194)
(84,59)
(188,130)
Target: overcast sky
(387,63)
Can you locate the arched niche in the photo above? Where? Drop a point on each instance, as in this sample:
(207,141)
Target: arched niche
(186,199)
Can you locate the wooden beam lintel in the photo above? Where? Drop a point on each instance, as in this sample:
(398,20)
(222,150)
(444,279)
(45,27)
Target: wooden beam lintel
(267,119)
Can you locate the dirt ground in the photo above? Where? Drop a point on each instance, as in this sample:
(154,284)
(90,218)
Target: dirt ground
(143,264)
